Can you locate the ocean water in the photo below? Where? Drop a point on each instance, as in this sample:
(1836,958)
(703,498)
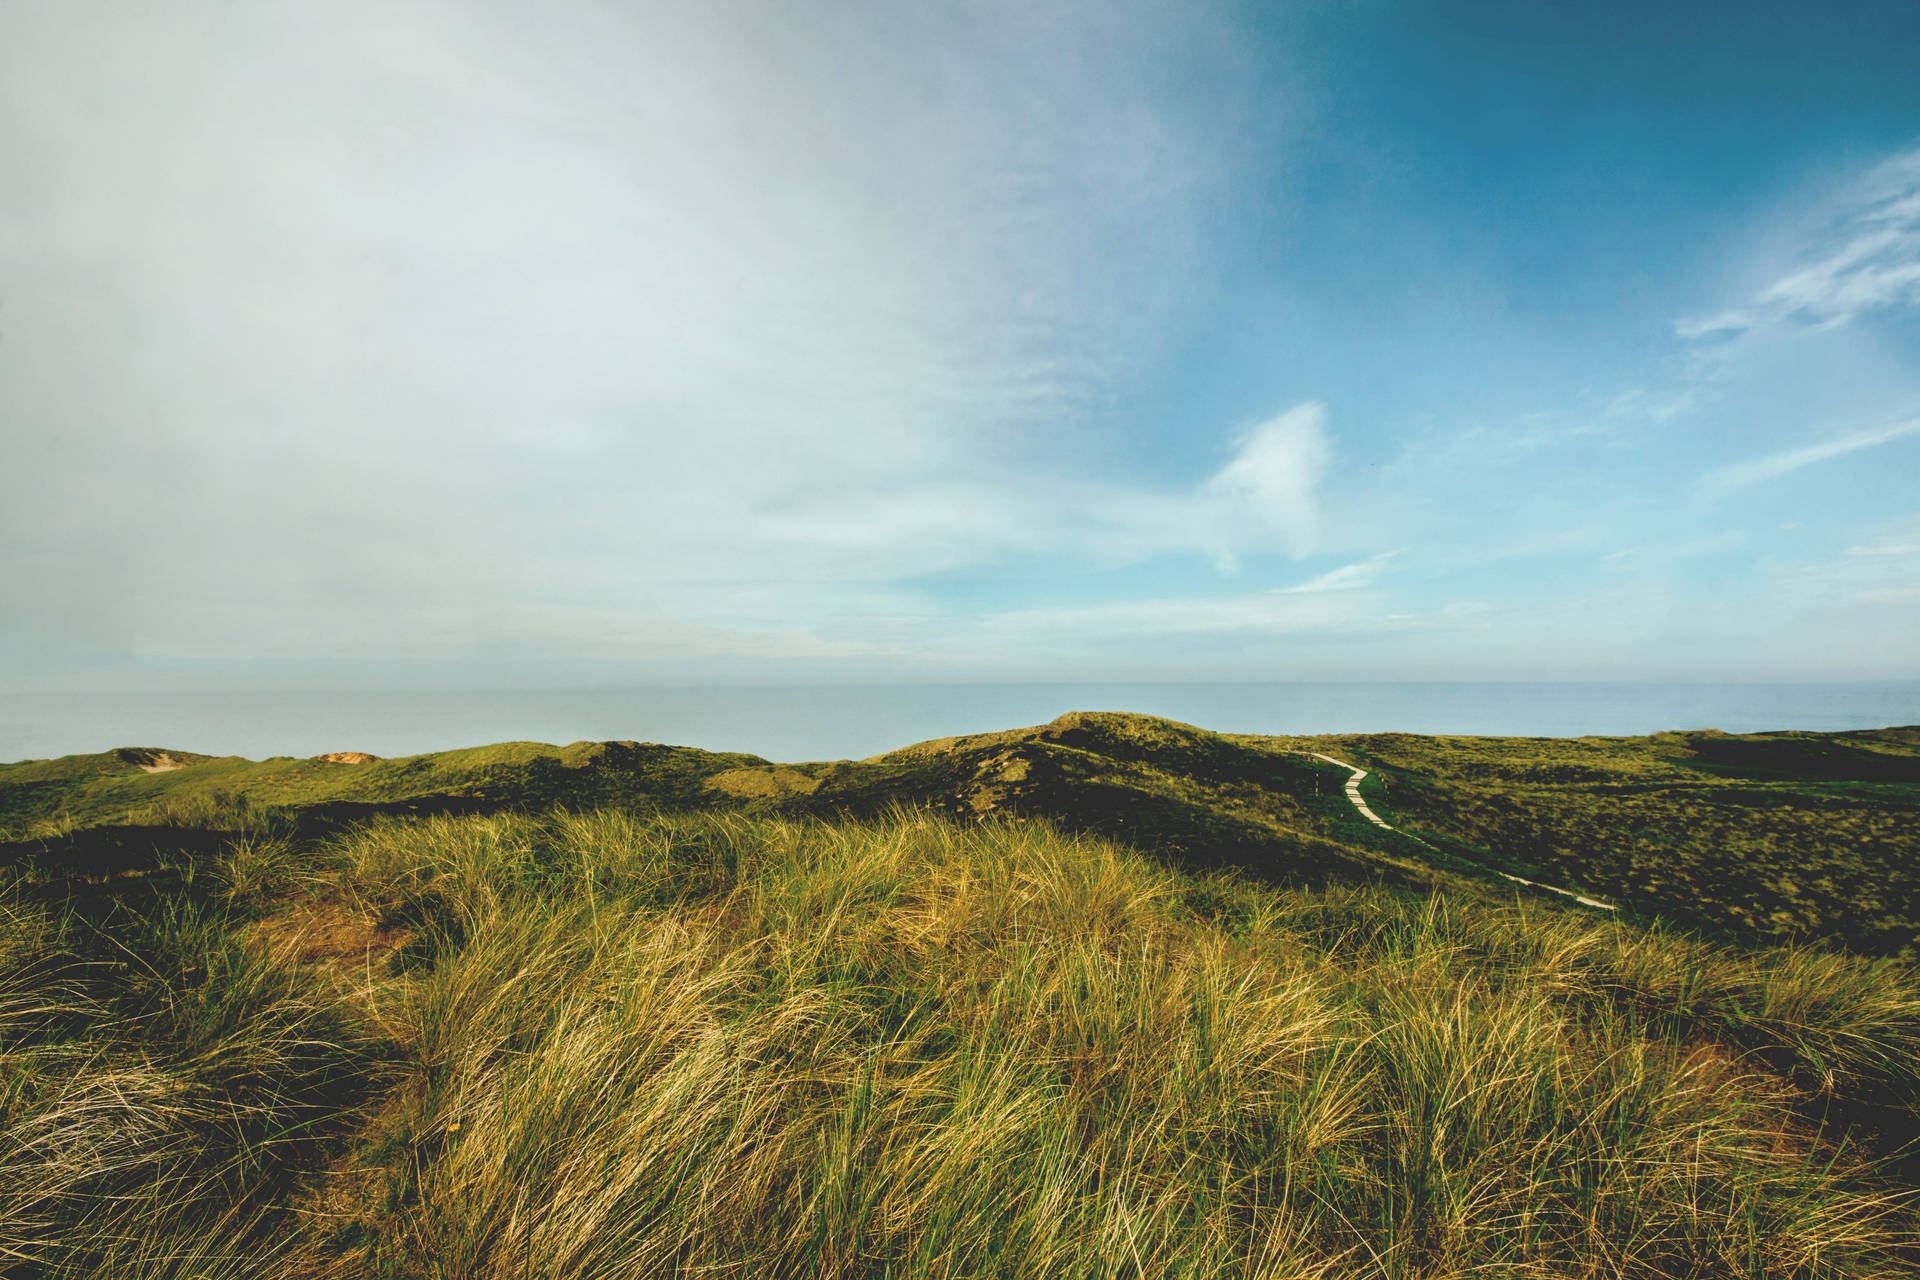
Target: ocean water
(831,722)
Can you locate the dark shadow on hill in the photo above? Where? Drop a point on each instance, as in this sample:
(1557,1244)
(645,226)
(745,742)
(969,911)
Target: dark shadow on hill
(1797,756)
(1197,799)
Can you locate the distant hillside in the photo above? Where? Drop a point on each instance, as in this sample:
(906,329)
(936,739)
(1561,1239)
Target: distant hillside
(1787,835)
(1777,835)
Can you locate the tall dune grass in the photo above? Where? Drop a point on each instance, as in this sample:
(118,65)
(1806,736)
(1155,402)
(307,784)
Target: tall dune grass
(726,1045)
(162,1088)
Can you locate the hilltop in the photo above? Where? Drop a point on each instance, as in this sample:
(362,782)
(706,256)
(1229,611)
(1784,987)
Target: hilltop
(1777,836)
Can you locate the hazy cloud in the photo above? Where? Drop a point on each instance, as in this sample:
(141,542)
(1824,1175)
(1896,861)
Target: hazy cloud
(692,338)
(1122,623)
(416,327)
(1739,475)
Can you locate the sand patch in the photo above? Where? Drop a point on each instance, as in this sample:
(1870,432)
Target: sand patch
(346,757)
(154,760)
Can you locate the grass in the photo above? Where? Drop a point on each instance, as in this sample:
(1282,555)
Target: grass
(599,1042)
(162,1087)
(1770,837)
(1762,837)
(40,798)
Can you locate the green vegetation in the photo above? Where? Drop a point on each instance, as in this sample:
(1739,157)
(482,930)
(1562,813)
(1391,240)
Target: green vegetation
(1768,836)
(1763,837)
(596,1044)
(1111,997)
(139,786)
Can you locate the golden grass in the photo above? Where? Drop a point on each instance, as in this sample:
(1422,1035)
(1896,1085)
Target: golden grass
(723,1045)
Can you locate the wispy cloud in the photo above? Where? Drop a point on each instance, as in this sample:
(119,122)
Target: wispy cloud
(1720,324)
(1739,475)
(1349,577)
(1339,601)
(1122,623)
(1262,500)
(1868,261)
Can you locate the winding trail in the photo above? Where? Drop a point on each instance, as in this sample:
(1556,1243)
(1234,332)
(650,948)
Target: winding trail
(1353,793)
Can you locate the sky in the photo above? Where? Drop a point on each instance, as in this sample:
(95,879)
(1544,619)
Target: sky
(464,343)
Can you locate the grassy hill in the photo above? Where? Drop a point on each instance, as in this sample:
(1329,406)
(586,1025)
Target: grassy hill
(1110,996)
(1192,796)
(1773,837)
(1776,836)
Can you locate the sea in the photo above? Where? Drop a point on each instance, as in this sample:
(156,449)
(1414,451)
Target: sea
(834,722)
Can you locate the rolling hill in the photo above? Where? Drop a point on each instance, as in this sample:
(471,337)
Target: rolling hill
(1110,996)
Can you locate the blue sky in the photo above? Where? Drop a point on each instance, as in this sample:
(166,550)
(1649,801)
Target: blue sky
(441,343)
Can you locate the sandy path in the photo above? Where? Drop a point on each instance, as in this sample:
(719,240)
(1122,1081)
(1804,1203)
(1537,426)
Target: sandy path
(1353,793)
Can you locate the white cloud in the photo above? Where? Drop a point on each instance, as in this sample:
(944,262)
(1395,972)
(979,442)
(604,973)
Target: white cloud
(1273,475)
(1868,261)
(1266,494)
(1739,475)
(1180,631)
(1349,577)
(421,326)
(1722,324)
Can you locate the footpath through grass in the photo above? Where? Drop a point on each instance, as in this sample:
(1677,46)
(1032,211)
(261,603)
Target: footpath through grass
(594,1044)
(1768,837)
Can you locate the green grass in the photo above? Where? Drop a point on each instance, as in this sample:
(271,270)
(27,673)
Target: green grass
(1107,997)
(1762,837)
(1190,796)
(1775,837)
(53,797)
(601,1043)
